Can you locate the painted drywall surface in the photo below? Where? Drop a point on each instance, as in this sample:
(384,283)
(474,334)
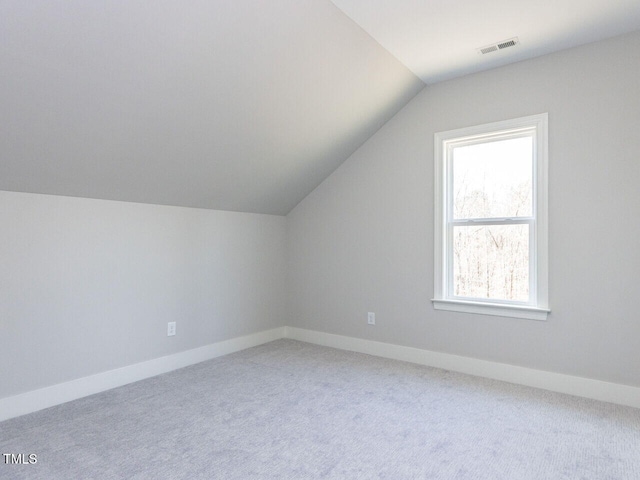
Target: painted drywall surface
(363,240)
(89,285)
(99,99)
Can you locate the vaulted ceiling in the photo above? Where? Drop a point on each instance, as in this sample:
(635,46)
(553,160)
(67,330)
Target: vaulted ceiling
(243,105)
(439,39)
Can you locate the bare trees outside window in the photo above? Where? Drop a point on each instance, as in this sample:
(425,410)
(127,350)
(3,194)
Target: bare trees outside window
(492,185)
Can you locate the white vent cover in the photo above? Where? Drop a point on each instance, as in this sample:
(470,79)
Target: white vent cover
(512,42)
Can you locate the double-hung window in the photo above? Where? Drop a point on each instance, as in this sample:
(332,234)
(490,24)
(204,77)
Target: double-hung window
(491,219)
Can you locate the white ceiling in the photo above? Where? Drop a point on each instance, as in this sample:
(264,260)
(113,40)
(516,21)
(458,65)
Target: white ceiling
(438,39)
(243,105)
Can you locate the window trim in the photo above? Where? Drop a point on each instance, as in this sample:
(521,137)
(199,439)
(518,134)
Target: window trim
(538,308)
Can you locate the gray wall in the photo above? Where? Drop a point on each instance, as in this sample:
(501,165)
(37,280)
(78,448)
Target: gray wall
(363,240)
(89,285)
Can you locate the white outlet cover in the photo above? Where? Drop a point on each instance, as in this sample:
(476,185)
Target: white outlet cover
(371,318)
(171,329)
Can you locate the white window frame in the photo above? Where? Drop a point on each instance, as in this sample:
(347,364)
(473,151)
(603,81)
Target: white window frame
(538,306)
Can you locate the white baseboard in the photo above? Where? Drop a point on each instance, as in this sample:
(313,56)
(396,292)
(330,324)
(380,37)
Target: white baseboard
(557,382)
(64,392)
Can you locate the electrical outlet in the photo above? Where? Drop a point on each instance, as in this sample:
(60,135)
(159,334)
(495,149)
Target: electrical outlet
(171,329)
(371,318)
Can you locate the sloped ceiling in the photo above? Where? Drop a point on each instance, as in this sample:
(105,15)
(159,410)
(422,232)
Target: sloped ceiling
(242,105)
(438,39)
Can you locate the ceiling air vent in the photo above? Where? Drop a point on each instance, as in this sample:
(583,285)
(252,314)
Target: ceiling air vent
(512,42)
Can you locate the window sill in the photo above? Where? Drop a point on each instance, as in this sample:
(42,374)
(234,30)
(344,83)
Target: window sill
(480,308)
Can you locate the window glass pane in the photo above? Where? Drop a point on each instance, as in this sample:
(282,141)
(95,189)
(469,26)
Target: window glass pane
(491,262)
(493,179)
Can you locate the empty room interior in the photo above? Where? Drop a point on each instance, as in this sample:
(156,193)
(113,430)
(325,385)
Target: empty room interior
(304,239)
